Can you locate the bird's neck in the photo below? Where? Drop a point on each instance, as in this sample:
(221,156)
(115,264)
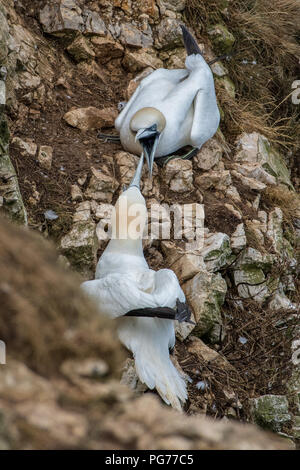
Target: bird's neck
(122,256)
(128,246)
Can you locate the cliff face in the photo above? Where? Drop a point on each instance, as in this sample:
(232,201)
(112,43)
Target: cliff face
(66,68)
(60,385)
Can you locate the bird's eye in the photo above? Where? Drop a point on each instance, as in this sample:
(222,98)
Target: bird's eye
(121,105)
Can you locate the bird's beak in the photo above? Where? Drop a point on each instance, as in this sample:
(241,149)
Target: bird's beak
(138,173)
(149,138)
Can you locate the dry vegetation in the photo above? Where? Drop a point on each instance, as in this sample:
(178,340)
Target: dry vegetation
(266,33)
(280,196)
(261,364)
(289,203)
(45,319)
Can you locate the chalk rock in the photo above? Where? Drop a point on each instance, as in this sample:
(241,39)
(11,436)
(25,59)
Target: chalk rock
(173,58)
(249,274)
(91,117)
(147,7)
(178,174)
(238,238)
(274,229)
(219,69)
(68,17)
(10,196)
(44,157)
(205,294)
(250,282)
(93,23)
(127,164)
(255,148)
(169,33)
(4,35)
(221,38)
(130,378)
(101,186)
(253,257)
(79,49)
(280,301)
(171,251)
(226,85)
(2,93)
(131,36)
(209,155)
(101,211)
(249,183)
(183,330)
(106,49)
(233,193)
(76,193)
(216,251)
(271,412)
(29,56)
(80,245)
(82,179)
(217,179)
(256,171)
(25,147)
(204,353)
(187,266)
(62,18)
(83,212)
(137,61)
(171,5)
(233,210)
(29,80)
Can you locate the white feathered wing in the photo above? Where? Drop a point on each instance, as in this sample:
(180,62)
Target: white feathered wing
(149,339)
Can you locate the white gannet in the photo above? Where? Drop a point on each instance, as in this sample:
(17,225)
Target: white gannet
(125,283)
(171,108)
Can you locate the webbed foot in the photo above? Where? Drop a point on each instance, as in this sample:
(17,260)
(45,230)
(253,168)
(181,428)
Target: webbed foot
(162,161)
(108,137)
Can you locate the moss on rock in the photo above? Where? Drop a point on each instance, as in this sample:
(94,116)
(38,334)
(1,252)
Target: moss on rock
(271,412)
(221,38)
(206,294)
(12,202)
(79,245)
(227,85)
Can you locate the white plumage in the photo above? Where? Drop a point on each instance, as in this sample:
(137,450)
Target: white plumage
(124,282)
(187,100)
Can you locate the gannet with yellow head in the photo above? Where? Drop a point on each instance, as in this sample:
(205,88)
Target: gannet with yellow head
(171,108)
(143,300)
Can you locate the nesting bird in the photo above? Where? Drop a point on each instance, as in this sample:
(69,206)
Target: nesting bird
(146,302)
(171,108)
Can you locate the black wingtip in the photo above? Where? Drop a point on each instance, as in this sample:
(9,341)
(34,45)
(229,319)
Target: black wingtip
(183,312)
(190,43)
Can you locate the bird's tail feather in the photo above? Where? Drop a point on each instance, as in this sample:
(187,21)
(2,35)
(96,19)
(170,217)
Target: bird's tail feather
(190,43)
(150,347)
(159,372)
